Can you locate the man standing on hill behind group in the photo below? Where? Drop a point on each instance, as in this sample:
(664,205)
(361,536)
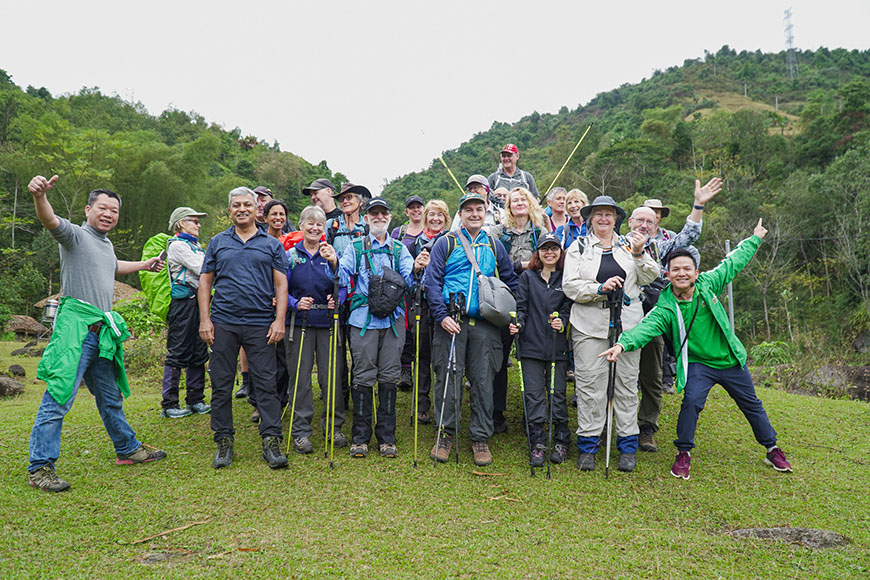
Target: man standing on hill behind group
(509,176)
(87,338)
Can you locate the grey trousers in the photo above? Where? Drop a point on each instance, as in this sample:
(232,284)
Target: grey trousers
(590,382)
(650,382)
(316,343)
(377,357)
(479,343)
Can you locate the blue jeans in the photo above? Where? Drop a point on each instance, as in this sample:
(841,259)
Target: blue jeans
(738,383)
(99,375)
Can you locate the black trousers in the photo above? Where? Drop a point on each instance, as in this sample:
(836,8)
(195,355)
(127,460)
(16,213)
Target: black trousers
(261,364)
(500,382)
(536,383)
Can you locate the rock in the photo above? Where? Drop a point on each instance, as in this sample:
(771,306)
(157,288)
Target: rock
(30,344)
(25,326)
(852,381)
(862,342)
(36,352)
(10,387)
(804,536)
(20,352)
(17,371)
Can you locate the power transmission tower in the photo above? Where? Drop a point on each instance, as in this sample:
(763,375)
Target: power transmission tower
(789,46)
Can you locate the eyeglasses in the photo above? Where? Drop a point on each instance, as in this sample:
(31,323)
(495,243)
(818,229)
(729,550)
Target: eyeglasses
(376,212)
(550,249)
(647,222)
(192,220)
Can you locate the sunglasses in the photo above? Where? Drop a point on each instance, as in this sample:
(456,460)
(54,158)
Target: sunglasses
(192,220)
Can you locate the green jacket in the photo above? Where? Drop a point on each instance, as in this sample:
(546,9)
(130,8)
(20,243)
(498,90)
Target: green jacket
(664,318)
(60,362)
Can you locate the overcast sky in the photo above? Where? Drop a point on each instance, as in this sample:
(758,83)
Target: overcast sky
(380,88)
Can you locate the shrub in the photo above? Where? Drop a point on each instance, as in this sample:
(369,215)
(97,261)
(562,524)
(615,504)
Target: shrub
(772,353)
(140,320)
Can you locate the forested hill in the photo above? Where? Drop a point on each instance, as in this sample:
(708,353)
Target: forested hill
(795,151)
(156,163)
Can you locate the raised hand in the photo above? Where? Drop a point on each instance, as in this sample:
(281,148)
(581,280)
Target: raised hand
(39,185)
(708,192)
(759,230)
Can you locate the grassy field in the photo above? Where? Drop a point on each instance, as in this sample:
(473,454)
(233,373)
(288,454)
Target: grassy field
(379,518)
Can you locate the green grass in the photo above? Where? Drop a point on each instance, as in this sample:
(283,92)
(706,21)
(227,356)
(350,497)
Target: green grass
(379,518)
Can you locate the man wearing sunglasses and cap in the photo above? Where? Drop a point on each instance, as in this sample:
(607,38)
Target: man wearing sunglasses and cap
(508,175)
(321,192)
(478,185)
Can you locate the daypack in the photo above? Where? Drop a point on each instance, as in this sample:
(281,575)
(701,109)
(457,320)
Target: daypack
(156,285)
(386,291)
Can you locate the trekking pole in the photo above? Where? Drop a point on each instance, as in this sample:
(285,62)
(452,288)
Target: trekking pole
(335,336)
(457,408)
(564,165)
(416,407)
(296,381)
(441,159)
(523,396)
(446,382)
(614,303)
(552,390)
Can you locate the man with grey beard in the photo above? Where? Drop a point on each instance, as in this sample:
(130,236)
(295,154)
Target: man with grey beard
(379,270)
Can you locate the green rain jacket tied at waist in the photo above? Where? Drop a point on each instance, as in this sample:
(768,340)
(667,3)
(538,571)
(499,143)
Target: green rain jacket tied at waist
(60,362)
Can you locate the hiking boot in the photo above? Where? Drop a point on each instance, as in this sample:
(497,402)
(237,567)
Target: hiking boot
(481,453)
(200,408)
(646,442)
(441,449)
(569,376)
(406,381)
(224,457)
(680,468)
(559,454)
(272,452)
(242,393)
(776,459)
(668,389)
(175,413)
(499,423)
(46,479)
(388,450)
(255,416)
(536,457)
(141,455)
(359,450)
(586,462)
(627,462)
(424,418)
(339,440)
(303,445)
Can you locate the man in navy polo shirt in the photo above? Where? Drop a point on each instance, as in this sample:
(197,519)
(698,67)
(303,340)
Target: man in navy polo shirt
(248,269)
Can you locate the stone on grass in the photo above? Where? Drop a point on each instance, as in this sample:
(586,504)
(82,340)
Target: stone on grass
(9,387)
(804,536)
(17,371)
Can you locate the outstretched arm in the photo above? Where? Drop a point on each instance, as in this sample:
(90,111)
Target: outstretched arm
(703,195)
(38,187)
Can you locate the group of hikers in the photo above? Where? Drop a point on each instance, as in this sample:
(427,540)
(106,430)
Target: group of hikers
(379,310)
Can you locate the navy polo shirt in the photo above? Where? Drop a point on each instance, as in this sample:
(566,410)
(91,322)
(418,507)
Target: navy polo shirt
(243,283)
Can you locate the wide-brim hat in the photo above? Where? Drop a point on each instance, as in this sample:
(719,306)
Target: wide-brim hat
(348,187)
(181,213)
(657,204)
(604,201)
(317,185)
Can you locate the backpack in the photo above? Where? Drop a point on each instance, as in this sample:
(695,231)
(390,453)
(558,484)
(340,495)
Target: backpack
(387,290)
(156,285)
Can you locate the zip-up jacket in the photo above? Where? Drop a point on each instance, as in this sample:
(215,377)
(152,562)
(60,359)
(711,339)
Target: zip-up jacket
(309,276)
(537,299)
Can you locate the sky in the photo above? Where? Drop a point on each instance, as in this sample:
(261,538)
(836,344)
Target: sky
(380,88)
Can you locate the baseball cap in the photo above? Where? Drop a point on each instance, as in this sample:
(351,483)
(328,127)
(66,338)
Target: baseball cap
(317,185)
(377,202)
(413,199)
(548,238)
(262,190)
(510,148)
(471,196)
(478,179)
(180,213)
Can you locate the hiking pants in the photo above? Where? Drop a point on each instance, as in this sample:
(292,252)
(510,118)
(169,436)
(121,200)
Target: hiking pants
(650,382)
(316,343)
(376,359)
(536,383)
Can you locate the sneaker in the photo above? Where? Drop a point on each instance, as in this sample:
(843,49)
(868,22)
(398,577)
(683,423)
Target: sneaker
(481,453)
(46,479)
(646,442)
(499,424)
(255,416)
(388,450)
(272,452)
(559,454)
(586,462)
(359,450)
(242,393)
(441,449)
(175,413)
(627,462)
(424,418)
(776,459)
(536,457)
(680,468)
(200,408)
(303,445)
(669,389)
(339,440)
(224,457)
(406,382)
(141,455)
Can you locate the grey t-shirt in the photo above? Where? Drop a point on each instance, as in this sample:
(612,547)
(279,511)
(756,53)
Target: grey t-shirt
(87,264)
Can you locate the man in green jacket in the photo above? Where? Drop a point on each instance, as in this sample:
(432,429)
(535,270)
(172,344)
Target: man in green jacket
(708,351)
(86,343)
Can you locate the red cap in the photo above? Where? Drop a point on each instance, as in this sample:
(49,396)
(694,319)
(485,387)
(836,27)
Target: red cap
(511,148)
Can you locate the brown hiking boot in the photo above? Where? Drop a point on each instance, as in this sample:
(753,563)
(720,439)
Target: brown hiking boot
(482,456)
(441,449)
(46,479)
(646,442)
